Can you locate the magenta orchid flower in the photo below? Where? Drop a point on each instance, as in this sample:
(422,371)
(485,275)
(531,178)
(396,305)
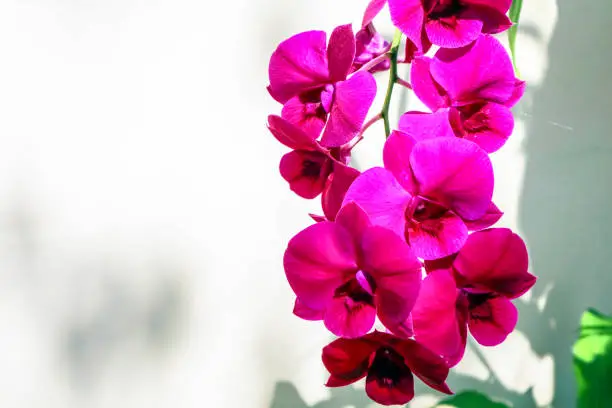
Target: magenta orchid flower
(472,289)
(311,80)
(471,89)
(449,23)
(347,272)
(388,363)
(427,191)
(413,48)
(311,169)
(370,44)
(422,126)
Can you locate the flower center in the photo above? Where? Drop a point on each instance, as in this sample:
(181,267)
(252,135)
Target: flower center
(478,305)
(422,215)
(313,164)
(366,282)
(310,168)
(313,104)
(354,290)
(388,367)
(474,118)
(442,9)
(420,209)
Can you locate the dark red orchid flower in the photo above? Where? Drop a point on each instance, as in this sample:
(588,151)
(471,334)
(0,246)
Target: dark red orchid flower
(388,363)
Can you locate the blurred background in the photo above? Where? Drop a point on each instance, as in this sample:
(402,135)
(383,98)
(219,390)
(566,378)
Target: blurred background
(143,219)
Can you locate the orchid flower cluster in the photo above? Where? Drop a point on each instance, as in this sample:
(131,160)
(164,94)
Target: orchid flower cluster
(407,248)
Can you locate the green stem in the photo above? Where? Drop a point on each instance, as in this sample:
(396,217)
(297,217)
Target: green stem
(515,14)
(397,38)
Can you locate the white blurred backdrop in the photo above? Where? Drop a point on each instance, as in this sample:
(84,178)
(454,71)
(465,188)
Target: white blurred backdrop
(143,219)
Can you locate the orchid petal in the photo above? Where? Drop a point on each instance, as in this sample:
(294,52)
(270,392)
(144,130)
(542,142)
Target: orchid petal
(396,156)
(424,85)
(489,218)
(492,321)
(438,236)
(495,260)
(346,317)
(500,5)
(290,135)
(318,218)
(352,100)
(404,329)
(306,313)
(305,171)
(434,315)
(379,194)
(317,261)
(462,321)
(411,50)
(334,381)
(396,273)
(517,93)
(307,116)
(347,360)
(338,183)
(408,16)
(298,64)
(494,20)
(425,364)
(421,125)
(340,52)
(456,173)
(481,71)
(374,7)
(443,264)
(488,125)
(370,44)
(464,29)
(355,220)
(398,393)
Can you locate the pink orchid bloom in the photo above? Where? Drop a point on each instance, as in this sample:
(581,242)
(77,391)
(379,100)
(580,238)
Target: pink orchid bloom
(388,363)
(370,44)
(470,90)
(311,169)
(422,126)
(427,191)
(449,23)
(472,289)
(347,272)
(310,79)
(412,48)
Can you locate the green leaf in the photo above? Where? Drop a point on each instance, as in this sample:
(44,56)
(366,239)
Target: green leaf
(593,360)
(470,399)
(515,14)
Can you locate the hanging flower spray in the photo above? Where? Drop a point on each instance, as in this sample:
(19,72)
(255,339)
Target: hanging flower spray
(410,244)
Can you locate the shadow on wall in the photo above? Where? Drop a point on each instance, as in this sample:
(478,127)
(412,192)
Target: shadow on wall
(286,394)
(123,326)
(99,312)
(565,206)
